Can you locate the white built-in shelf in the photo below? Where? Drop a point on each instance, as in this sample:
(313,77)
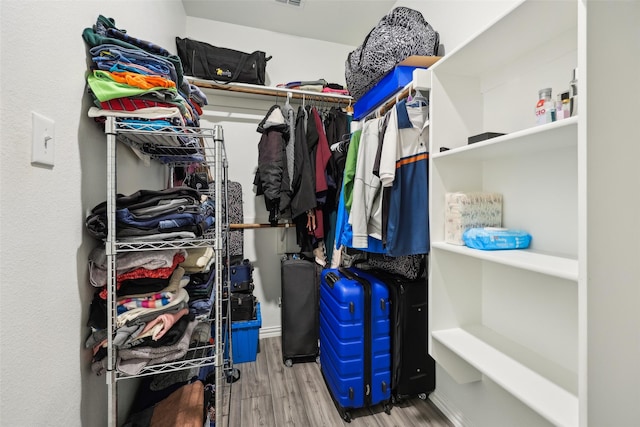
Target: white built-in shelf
(557,266)
(523,29)
(246,90)
(547,137)
(504,367)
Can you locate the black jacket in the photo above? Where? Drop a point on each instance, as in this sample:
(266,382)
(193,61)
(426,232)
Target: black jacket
(272,178)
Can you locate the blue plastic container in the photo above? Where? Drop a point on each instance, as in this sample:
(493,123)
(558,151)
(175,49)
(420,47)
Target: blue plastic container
(393,81)
(245,338)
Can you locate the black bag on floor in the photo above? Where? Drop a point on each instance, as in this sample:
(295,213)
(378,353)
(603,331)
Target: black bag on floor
(403,32)
(243,306)
(205,61)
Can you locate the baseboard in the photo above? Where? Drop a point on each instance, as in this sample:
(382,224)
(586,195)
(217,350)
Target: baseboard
(270,331)
(449,410)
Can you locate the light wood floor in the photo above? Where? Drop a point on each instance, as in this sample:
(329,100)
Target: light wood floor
(270,394)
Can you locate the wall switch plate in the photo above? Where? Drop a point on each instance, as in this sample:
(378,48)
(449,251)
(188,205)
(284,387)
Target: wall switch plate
(43,137)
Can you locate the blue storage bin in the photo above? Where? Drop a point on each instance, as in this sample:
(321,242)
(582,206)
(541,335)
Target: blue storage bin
(395,80)
(244,335)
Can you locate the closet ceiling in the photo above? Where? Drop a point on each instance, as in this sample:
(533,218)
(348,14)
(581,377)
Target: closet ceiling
(339,21)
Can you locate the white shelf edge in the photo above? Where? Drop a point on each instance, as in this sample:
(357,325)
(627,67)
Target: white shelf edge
(557,266)
(421,79)
(252,89)
(539,393)
(524,16)
(504,141)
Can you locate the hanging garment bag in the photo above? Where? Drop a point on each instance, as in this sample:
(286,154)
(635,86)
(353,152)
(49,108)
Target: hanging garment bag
(355,345)
(413,371)
(300,310)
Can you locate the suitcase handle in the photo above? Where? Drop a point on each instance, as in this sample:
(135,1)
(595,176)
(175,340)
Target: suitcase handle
(331,279)
(346,273)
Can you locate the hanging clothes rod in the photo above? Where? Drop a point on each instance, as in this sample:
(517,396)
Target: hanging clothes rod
(306,95)
(267,225)
(390,102)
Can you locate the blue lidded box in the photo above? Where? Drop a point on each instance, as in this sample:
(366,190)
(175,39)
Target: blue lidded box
(392,82)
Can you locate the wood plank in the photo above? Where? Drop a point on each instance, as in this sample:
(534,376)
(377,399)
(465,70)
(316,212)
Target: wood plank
(232,404)
(288,407)
(397,418)
(367,417)
(225,399)
(318,404)
(424,412)
(436,417)
(298,396)
(258,372)
(258,411)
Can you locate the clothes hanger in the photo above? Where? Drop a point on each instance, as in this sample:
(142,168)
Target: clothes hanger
(349,108)
(418,99)
(340,145)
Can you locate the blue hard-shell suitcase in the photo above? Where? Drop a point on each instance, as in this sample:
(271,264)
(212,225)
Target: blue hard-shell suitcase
(355,343)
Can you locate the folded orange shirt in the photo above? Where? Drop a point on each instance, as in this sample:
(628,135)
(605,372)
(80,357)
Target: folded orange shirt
(140,80)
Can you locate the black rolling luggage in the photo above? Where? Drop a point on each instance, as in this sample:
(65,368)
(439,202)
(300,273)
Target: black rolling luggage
(413,370)
(300,310)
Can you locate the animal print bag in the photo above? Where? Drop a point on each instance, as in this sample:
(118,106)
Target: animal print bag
(401,33)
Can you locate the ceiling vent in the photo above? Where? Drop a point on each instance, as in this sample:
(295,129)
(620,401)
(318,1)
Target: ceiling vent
(290,2)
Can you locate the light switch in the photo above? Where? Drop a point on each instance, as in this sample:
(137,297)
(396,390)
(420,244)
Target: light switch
(43,138)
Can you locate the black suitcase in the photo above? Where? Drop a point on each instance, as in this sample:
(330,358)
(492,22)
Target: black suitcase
(300,310)
(413,370)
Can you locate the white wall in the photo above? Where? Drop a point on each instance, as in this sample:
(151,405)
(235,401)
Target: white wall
(294,58)
(45,295)
(458,20)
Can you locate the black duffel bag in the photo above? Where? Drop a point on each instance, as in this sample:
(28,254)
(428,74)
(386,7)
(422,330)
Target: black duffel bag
(401,33)
(205,61)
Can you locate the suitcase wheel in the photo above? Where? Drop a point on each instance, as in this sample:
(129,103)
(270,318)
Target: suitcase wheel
(346,416)
(318,360)
(387,409)
(288,363)
(422,396)
(233,375)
